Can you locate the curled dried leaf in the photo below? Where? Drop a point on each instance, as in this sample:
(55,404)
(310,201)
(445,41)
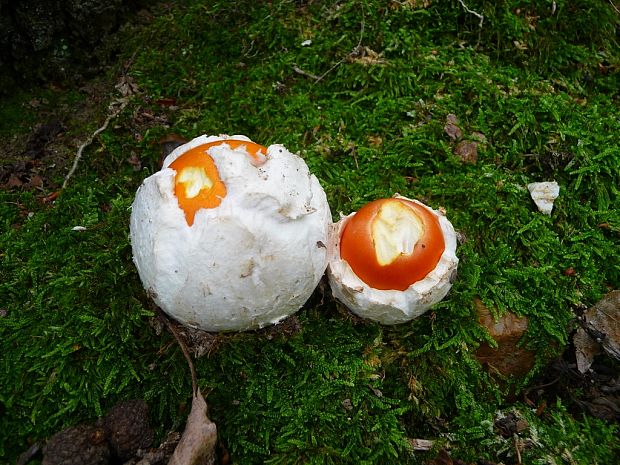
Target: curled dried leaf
(197,444)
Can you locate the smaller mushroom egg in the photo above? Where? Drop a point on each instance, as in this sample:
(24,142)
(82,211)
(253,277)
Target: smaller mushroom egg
(392,260)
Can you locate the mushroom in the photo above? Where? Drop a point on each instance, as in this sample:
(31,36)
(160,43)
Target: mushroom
(230,235)
(392,260)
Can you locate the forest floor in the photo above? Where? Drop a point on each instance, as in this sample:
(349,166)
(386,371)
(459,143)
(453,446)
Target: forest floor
(418,98)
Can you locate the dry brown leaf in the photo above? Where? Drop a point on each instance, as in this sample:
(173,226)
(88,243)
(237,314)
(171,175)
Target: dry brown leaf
(508,358)
(367,57)
(127,86)
(13,181)
(197,444)
(451,128)
(421,444)
(601,329)
(585,350)
(467,151)
(35,181)
(375,141)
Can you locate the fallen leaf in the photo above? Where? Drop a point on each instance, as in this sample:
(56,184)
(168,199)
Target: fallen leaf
(197,444)
(604,408)
(510,424)
(451,128)
(51,197)
(168,143)
(13,181)
(134,160)
(166,102)
(35,181)
(127,86)
(600,330)
(366,56)
(467,151)
(585,350)
(375,141)
(376,391)
(41,136)
(508,358)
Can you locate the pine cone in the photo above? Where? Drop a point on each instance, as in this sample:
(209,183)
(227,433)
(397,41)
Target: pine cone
(78,445)
(128,428)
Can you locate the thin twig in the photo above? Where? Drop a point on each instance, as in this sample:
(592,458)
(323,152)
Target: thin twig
(476,14)
(123,103)
(518,449)
(352,52)
(300,71)
(421,445)
(316,78)
(175,332)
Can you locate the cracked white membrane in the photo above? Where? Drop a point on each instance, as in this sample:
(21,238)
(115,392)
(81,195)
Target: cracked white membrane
(386,256)
(250,260)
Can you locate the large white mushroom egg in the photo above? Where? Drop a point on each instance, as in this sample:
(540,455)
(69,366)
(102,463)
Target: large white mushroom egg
(392,260)
(230,235)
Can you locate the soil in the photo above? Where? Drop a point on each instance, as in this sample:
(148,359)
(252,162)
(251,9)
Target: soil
(38,157)
(596,392)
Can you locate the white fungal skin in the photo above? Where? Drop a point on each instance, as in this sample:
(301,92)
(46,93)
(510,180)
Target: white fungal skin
(390,307)
(544,194)
(250,262)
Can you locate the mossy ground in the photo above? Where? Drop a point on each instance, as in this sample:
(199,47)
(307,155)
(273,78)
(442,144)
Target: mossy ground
(539,79)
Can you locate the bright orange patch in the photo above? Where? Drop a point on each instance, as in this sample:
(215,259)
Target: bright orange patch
(392,243)
(197,183)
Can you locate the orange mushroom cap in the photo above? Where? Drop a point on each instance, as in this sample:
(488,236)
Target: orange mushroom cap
(197,183)
(392,243)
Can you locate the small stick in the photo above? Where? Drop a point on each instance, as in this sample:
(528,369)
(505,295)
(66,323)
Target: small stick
(518,449)
(421,445)
(316,78)
(90,140)
(477,15)
(355,49)
(175,332)
(298,70)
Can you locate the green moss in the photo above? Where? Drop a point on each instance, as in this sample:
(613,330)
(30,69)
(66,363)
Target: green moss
(76,336)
